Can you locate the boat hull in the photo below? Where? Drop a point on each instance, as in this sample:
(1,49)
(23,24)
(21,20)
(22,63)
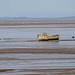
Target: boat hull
(46,38)
(54,39)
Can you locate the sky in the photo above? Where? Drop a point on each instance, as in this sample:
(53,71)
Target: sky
(37,8)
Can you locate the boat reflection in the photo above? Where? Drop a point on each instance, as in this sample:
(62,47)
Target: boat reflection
(48,44)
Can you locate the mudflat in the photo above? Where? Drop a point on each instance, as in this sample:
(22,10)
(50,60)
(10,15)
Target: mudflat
(22,54)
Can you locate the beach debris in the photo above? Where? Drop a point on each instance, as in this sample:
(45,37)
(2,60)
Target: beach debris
(46,37)
(73,36)
(1,38)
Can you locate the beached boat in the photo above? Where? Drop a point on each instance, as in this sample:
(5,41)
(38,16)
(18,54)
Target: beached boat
(46,37)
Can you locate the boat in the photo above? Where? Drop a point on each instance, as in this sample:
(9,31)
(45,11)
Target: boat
(46,37)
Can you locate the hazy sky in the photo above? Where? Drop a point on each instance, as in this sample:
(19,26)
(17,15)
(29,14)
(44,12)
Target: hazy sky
(37,8)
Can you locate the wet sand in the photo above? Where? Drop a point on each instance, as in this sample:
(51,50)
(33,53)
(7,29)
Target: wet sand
(13,24)
(22,54)
(37,61)
(37,50)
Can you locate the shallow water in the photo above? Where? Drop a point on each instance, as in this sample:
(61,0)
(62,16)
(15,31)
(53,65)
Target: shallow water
(36,64)
(22,37)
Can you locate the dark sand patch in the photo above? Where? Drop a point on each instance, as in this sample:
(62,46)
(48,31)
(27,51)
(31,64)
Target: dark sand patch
(5,70)
(14,24)
(41,71)
(36,50)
